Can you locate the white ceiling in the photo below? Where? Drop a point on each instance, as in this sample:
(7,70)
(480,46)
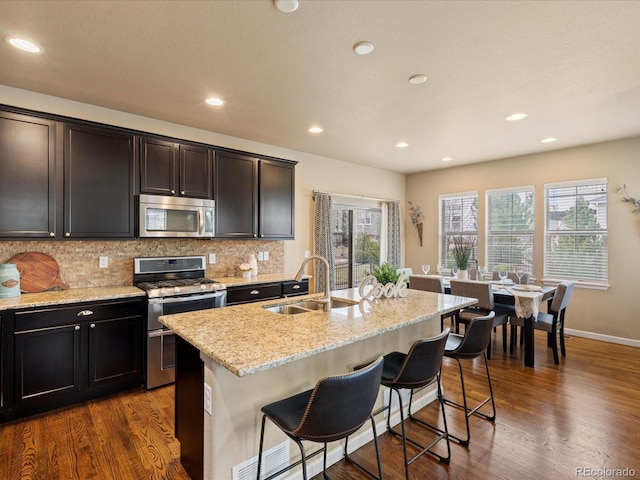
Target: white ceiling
(572,66)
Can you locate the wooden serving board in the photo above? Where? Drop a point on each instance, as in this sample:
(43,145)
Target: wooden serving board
(38,272)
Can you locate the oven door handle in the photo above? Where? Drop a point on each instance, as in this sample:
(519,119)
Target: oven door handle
(160,333)
(188,298)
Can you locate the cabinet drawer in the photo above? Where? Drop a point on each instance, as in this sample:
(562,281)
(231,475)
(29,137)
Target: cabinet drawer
(253,293)
(56,316)
(295,288)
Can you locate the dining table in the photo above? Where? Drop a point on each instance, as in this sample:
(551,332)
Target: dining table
(526,300)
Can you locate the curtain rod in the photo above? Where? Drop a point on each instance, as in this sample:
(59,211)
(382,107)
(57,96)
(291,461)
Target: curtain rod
(353,196)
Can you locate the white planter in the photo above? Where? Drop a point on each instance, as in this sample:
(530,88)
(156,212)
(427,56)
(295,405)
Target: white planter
(463,274)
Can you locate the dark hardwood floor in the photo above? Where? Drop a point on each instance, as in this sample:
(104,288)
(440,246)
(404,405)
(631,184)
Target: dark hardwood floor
(551,422)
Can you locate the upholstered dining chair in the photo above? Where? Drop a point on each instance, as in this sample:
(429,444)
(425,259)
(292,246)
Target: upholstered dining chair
(334,409)
(551,322)
(483,292)
(430,283)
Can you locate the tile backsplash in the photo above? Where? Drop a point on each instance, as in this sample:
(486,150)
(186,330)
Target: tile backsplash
(79,260)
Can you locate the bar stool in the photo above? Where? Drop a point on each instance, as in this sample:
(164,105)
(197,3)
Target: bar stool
(416,369)
(334,409)
(473,344)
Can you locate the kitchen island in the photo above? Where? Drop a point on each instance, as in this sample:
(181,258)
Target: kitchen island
(251,356)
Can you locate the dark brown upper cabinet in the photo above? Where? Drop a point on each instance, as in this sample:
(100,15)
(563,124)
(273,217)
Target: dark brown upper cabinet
(175,169)
(29,191)
(254,197)
(98,182)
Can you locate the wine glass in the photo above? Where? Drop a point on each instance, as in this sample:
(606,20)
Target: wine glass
(426,268)
(480,272)
(439,268)
(454,271)
(519,273)
(503,275)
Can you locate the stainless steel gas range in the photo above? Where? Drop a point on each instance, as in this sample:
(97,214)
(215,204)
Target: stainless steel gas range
(173,285)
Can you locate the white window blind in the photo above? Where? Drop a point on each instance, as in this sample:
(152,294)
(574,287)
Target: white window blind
(458,217)
(510,228)
(575,233)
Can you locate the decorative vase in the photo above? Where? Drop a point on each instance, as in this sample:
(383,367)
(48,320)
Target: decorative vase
(246,273)
(463,274)
(9,280)
(251,260)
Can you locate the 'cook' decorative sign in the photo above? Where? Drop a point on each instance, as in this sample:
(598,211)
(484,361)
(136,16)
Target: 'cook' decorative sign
(377,290)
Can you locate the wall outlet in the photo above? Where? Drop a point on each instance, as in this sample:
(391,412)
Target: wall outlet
(212,258)
(307,253)
(104,262)
(266,256)
(260,256)
(207,399)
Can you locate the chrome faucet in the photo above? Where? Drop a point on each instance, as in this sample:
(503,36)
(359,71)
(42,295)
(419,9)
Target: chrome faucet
(326,301)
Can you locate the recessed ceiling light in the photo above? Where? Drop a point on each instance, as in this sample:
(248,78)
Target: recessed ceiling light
(446,159)
(549,140)
(286,6)
(24,45)
(316,130)
(402,144)
(216,102)
(516,116)
(417,79)
(363,48)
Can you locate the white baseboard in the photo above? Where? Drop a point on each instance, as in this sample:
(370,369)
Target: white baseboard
(603,338)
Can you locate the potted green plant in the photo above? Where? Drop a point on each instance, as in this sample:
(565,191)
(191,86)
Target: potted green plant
(461,250)
(385,273)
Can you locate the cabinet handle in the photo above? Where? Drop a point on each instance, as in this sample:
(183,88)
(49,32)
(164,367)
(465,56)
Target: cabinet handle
(181,192)
(255,235)
(84,313)
(254,292)
(67,234)
(77,327)
(173,192)
(93,325)
(296,287)
(51,234)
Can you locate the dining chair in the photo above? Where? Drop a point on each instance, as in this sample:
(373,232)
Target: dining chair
(470,346)
(551,322)
(431,283)
(337,407)
(415,370)
(483,292)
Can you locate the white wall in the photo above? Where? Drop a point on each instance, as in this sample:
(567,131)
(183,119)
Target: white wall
(612,312)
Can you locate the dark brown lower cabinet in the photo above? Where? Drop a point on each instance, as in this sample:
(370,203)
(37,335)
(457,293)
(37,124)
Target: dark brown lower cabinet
(63,355)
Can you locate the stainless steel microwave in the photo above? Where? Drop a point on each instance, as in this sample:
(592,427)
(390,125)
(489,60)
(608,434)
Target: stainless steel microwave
(162,216)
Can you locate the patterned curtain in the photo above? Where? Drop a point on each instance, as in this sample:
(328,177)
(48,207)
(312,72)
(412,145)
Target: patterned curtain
(393,233)
(322,239)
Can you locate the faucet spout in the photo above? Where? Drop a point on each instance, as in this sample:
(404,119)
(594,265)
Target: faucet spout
(327,284)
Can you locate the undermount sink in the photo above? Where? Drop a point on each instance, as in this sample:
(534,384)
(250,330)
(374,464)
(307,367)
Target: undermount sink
(307,306)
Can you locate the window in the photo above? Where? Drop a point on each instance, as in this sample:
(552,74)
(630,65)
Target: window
(458,217)
(356,233)
(575,231)
(510,228)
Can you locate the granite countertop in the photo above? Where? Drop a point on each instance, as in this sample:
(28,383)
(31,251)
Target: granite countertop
(247,339)
(262,278)
(74,295)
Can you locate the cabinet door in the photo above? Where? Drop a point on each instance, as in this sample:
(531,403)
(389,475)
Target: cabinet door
(236,195)
(27,177)
(98,183)
(115,351)
(277,200)
(253,293)
(158,167)
(46,366)
(195,171)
